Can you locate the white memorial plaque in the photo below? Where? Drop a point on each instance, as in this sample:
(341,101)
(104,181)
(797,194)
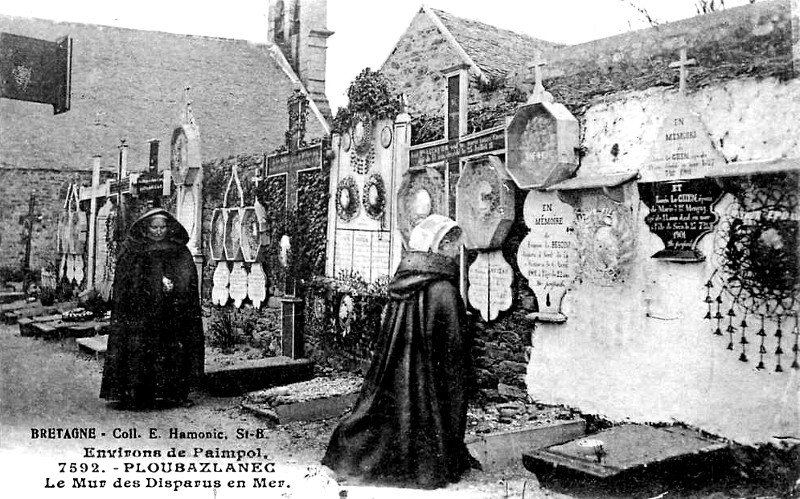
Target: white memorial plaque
(362,254)
(380,255)
(222,276)
(344,251)
(238,284)
(490,278)
(79,272)
(257,285)
(547,257)
(186,211)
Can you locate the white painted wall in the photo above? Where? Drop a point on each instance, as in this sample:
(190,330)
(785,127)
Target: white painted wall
(610,358)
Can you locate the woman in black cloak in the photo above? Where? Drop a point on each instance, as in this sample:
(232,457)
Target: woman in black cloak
(156,345)
(407,427)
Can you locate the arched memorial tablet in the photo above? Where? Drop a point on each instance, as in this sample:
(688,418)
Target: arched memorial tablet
(490,278)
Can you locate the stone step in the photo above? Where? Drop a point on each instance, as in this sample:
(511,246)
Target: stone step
(229,381)
(93,345)
(26,323)
(11,296)
(35,309)
(319,398)
(64,329)
(499,450)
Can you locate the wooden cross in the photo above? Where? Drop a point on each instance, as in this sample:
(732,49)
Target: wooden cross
(539,94)
(682,64)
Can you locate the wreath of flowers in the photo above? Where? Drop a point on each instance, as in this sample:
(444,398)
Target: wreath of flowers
(374,211)
(347,213)
(362,146)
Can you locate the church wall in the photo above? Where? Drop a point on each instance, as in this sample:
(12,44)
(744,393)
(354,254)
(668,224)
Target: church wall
(640,349)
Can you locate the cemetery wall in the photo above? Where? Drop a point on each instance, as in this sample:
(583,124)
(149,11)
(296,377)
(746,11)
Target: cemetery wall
(640,349)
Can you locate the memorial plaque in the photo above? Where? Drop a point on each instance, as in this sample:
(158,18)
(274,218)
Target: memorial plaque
(490,278)
(185,156)
(250,235)
(343,256)
(104,259)
(680,214)
(492,141)
(362,254)
(485,198)
(606,239)
(421,193)
(219,292)
(683,148)
(547,256)
(79,272)
(381,243)
(186,211)
(542,138)
(257,285)
(233,235)
(237,288)
(217,243)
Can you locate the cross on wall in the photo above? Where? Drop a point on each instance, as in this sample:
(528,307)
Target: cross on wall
(682,64)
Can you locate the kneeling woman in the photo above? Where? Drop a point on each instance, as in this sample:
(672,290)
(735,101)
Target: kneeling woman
(407,427)
(156,345)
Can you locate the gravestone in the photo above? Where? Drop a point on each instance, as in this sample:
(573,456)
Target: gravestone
(547,256)
(485,211)
(362,213)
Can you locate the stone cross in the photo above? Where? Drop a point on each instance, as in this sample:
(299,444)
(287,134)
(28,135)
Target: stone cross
(539,94)
(682,64)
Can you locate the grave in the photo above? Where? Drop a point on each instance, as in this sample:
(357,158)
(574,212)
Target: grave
(228,381)
(320,398)
(622,449)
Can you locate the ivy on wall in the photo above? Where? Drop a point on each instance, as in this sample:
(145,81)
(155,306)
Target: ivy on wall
(369,93)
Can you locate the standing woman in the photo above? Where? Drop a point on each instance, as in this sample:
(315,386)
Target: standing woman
(407,427)
(156,346)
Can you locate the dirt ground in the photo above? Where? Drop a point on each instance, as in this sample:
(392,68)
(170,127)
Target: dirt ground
(49,384)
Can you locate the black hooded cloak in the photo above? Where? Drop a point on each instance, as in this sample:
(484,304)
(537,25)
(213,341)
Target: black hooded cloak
(407,427)
(156,344)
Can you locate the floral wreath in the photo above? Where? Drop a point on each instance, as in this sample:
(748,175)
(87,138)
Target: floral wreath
(347,213)
(374,210)
(620,229)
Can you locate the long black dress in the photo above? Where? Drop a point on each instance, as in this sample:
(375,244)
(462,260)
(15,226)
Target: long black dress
(407,427)
(156,344)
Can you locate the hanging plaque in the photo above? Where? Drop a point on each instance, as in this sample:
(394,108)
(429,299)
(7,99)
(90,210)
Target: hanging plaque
(421,193)
(680,214)
(256,285)
(219,293)
(218,234)
(485,198)
(542,138)
(490,278)
(547,256)
(238,284)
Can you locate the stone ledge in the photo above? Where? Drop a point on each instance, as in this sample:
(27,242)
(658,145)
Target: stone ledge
(308,410)
(252,375)
(498,450)
(94,345)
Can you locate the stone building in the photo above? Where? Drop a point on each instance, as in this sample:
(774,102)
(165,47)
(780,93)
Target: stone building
(643,337)
(130,84)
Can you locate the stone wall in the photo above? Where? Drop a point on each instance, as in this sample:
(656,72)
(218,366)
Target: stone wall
(129,83)
(50,189)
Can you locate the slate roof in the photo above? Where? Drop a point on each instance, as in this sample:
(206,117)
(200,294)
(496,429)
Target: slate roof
(129,83)
(496,51)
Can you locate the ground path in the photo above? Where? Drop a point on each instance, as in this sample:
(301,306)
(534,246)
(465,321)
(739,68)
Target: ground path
(49,384)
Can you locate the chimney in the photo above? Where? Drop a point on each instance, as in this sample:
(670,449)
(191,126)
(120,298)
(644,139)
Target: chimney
(299,28)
